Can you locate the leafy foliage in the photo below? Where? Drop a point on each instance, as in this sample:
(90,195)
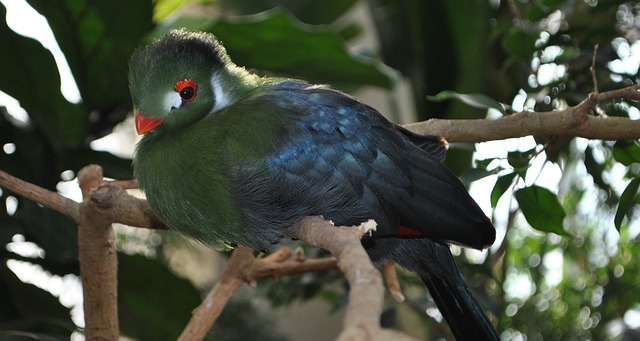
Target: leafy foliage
(461,58)
(541,209)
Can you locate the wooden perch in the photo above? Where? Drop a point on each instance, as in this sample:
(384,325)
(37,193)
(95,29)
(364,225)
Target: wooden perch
(574,121)
(103,204)
(106,203)
(98,263)
(365,295)
(242,267)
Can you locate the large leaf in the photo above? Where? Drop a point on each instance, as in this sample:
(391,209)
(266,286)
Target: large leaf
(542,209)
(97,38)
(27,308)
(30,75)
(277,42)
(416,38)
(627,152)
(309,11)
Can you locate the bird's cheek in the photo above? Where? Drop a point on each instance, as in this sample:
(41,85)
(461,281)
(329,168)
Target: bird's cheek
(145,124)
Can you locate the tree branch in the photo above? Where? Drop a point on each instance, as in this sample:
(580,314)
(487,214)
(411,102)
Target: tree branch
(205,315)
(98,263)
(574,121)
(366,294)
(365,297)
(110,199)
(242,267)
(117,206)
(40,195)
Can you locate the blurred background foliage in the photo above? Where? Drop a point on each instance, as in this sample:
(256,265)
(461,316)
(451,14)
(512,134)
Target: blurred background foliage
(565,263)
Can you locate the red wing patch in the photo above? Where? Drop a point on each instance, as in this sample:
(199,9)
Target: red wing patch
(403,231)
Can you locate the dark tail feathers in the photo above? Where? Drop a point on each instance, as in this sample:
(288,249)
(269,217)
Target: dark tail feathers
(435,265)
(460,309)
(448,289)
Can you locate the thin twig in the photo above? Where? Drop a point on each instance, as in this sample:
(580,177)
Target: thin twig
(40,195)
(211,307)
(593,69)
(393,285)
(594,78)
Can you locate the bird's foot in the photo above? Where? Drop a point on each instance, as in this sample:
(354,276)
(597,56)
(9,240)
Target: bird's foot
(367,227)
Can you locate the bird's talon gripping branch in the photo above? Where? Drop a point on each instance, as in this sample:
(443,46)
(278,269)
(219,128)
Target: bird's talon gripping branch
(368,226)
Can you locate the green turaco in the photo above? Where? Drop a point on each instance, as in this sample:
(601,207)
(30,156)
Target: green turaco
(231,158)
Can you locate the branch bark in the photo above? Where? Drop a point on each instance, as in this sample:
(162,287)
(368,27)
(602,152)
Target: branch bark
(98,263)
(242,267)
(40,195)
(366,292)
(574,121)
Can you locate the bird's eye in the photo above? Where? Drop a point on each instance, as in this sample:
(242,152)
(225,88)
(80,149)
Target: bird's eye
(187,89)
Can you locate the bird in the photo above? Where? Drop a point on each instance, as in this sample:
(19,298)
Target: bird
(231,158)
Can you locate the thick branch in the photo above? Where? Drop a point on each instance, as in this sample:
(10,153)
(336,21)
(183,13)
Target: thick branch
(366,293)
(98,263)
(574,121)
(117,206)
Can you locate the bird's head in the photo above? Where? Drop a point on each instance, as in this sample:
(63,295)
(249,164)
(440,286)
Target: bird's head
(178,80)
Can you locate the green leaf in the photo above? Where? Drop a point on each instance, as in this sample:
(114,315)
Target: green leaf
(542,209)
(501,186)
(627,152)
(97,38)
(627,200)
(309,11)
(519,160)
(479,101)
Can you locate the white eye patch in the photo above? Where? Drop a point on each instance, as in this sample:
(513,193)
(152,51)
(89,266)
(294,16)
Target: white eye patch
(222,98)
(171,101)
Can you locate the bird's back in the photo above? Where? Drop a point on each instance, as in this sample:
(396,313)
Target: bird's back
(337,157)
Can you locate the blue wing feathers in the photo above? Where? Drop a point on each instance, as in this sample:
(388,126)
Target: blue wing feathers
(346,162)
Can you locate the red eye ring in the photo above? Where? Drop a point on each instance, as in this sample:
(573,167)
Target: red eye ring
(187,89)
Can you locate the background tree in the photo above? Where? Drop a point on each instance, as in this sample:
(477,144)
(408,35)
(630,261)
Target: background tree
(573,275)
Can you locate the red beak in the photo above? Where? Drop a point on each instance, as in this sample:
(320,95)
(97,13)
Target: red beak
(145,124)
